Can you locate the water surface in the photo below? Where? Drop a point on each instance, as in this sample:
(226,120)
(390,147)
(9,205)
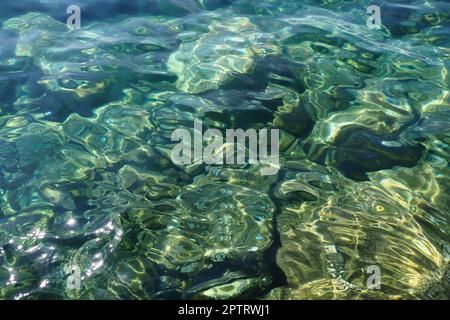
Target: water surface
(87,182)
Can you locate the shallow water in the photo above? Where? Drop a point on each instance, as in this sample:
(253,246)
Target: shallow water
(88,187)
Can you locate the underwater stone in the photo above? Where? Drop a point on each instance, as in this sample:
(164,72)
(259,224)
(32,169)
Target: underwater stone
(213,59)
(329,237)
(239,288)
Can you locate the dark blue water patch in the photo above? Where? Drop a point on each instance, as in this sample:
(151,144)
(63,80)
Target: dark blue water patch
(94,10)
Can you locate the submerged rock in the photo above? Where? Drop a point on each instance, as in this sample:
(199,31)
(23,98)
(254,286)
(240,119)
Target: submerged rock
(210,236)
(99,61)
(332,229)
(227,50)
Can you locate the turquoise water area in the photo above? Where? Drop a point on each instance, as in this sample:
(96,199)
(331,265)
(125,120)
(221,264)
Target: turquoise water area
(93,207)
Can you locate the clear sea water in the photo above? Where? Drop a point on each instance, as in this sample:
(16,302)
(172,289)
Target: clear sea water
(93,207)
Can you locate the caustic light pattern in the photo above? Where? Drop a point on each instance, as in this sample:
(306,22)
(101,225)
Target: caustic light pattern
(92,205)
